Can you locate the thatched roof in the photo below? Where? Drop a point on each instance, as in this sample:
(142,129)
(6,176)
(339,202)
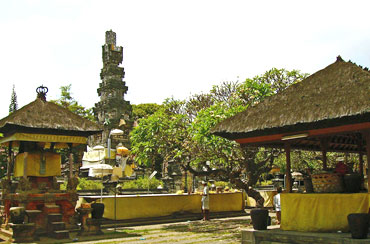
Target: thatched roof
(337,95)
(46,117)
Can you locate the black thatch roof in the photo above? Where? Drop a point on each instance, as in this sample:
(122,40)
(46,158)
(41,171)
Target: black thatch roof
(337,95)
(47,118)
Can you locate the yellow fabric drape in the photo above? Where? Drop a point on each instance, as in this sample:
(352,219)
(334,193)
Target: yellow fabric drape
(320,212)
(128,170)
(267,195)
(112,153)
(144,206)
(52,166)
(44,138)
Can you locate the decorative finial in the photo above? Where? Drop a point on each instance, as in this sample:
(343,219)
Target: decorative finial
(339,59)
(41,92)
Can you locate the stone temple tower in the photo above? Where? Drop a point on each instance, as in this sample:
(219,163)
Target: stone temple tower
(113,111)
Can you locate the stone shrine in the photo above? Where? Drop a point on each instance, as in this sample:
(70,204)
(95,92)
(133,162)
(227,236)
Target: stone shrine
(112,111)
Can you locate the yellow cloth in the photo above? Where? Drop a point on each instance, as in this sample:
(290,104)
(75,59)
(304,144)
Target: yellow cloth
(128,170)
(94,156)
(267,195)
(320,212)
(112,153)
(144,206)
(52,166)
(117,171)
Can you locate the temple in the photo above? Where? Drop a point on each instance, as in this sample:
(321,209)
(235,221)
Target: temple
(112,111)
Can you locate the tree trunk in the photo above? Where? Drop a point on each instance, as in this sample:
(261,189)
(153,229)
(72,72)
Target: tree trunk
(256,196)
(250,192)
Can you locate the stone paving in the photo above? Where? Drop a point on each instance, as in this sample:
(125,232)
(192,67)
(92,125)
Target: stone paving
(220,230)
(225,230)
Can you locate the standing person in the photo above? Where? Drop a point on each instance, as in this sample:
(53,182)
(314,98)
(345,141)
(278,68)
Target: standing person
(277,205)
(205,201)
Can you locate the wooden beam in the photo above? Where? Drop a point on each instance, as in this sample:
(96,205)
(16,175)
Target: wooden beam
(316,132)
(288,175)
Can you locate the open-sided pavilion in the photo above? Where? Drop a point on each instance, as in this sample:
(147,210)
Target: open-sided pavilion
(329,112)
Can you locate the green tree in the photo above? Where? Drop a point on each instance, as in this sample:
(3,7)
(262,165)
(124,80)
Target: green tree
(144,110)
(158,135)
(13,101)
(181,131)
(66,100)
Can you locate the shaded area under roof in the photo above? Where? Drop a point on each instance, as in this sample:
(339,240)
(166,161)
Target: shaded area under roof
(335,97)
(47,118)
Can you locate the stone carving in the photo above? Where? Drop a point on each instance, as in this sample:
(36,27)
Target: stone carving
(112,108)
(24,184)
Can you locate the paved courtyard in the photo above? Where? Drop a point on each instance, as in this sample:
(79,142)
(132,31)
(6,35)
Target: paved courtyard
(221,230)
(226,230)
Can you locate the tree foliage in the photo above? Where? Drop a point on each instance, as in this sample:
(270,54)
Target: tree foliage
(144,110)
(67,101)
(180,131)
(13,101)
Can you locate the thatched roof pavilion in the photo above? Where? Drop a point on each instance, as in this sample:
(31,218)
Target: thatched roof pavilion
(42,121)
(328,111)
(45,117)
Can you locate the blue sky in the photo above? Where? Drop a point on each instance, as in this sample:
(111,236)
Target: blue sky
(172,48)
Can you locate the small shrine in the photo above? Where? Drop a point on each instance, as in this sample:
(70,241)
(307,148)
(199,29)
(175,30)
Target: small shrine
(35,137)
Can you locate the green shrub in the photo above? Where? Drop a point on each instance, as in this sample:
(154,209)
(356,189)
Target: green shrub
(223,184)
(266,183)
(85,184)
(142,183)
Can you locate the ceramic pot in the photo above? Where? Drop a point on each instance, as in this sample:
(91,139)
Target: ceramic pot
(17,215)
(259,218)
(358,225)
(352,183)
(98,210)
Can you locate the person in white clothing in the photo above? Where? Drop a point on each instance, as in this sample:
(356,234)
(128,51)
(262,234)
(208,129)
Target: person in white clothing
(277,205)
(205,201)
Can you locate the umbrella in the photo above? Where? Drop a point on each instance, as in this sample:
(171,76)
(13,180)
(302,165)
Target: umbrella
(123,151)
(98,147)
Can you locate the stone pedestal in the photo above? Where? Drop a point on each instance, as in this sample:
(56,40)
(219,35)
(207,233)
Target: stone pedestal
(23,232)
(32,215)
(89,226)
(93,226)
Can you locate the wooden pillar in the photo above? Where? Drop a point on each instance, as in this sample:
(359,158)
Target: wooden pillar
(26,148)
(361,165)
(288,175)
(70,161)
(361,159)
(9,164)
(367,139)
(324,147)
(25,158)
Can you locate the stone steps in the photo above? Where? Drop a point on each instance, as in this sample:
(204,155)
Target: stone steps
(56,227)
